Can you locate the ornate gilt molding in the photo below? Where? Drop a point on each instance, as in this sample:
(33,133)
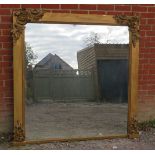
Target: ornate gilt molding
(22,17)
(132,22)
(18,135)
(133,128)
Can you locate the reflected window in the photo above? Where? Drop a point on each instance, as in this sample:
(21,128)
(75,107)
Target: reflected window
(57,66)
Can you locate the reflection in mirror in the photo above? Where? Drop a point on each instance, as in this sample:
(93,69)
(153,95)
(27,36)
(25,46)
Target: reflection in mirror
(76,80)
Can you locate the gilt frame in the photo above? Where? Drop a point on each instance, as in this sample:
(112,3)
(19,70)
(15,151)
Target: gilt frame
(23,16)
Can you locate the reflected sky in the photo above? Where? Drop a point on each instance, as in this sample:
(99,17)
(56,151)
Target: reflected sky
(66,39)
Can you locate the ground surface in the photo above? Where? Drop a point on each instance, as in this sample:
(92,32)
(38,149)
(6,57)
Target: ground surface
(145,142)
(68,120)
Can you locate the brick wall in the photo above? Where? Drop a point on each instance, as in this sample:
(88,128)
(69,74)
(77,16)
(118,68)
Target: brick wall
(146,102)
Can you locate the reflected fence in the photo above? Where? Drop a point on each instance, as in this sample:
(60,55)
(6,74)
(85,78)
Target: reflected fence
(61,85)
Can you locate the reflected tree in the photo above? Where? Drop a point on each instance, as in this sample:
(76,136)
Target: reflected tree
(91,39)
(95,38)
(30,58)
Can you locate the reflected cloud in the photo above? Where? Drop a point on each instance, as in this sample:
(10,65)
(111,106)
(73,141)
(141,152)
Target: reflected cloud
(66,39)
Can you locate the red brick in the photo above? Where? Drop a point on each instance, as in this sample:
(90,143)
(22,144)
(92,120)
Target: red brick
(151,9)
(79,12)
(6,19)
(10,6)
(6,31)
(122,7)
(87,7)
(5,38)
(148,4)
(9,99)
(143,21)
(151,81)
(145,50)
(152,50)
(6,63)
(5,76)
(149,77)
(153,27)
(147,15)
(148,55)
(30,5)
(50,6)
(115,13)
(97,12)
(139,8)
(152,61)
(5,12)
(8,83)
(5,26)
(5,52)
(150,33)
(69,6)
(142,33)
(7,45)
(61,11)
(8,58)
(151,71)
(128,13)
(8,93)
(146,39)
(152,38)
(143,72)
(105,7)
(151,21)
(8,70)
(1,58)
(151,92)
(145,27)
(149,66)
(143,82)
(150,43)
(143,61)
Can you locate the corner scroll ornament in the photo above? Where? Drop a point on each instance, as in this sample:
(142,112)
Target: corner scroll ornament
(133,128)
(132,22)
(22,17)
(18,135)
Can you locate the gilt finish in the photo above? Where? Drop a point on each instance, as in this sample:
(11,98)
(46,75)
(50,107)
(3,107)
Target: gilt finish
(18,135)
(132,22)
(24,16)
(133,128)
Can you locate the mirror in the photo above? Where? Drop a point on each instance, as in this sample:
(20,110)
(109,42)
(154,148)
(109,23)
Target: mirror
(76,80)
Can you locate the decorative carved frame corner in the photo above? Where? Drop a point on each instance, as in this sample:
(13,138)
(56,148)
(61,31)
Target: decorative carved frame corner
(18,134)
(133,23)
(133,128)
(23,16)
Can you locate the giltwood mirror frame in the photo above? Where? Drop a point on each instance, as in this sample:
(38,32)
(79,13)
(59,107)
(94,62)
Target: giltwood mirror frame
(23,16)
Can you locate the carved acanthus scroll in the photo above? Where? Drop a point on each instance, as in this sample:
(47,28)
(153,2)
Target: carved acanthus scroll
(133,128)
(132,22)
(24,16)
(18,135)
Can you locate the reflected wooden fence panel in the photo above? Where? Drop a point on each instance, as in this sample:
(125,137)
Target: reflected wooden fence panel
(63,85)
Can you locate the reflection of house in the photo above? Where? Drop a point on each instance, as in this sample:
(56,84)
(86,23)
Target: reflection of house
(110,63)
(52,62)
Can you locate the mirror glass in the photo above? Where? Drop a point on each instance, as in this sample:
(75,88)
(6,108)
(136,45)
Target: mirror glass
(76,80)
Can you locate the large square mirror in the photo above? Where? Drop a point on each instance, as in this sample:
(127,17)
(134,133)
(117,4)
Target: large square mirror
(75,78)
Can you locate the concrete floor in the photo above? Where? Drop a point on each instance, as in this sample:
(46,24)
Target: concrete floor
(69,120)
